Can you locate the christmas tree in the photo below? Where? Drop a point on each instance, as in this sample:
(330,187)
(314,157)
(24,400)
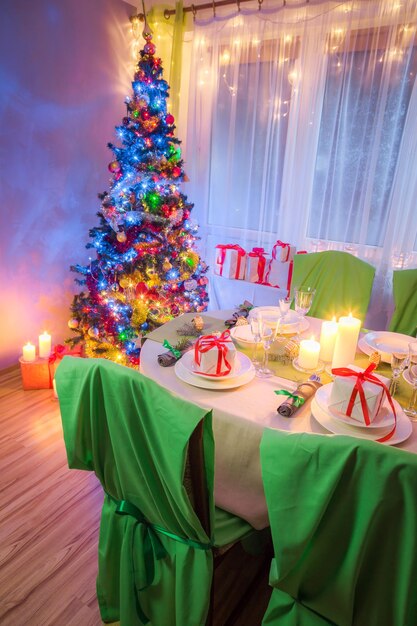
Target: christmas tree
(146,269)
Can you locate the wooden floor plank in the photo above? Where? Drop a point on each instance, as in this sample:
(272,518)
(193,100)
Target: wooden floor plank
(49,519)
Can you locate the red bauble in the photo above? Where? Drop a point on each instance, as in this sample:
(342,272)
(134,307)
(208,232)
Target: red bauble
(176,171)
(174,254)
(175,309)
(114,166)
(170,119)
(186,214)
(149,48)
(166,210)
(141,289)
(145,114)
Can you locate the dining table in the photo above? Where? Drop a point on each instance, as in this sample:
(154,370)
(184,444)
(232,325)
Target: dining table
(241,414)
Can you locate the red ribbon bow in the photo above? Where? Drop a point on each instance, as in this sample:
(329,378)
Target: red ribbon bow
(361,377)
(208,342)
(260,254)
(222,255)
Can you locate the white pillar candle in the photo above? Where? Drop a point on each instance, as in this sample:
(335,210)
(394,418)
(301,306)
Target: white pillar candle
(308,357)
(44,345)
(29,352)
(346,341)
(328,340)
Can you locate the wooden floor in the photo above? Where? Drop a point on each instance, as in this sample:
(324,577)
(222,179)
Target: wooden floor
(49,519)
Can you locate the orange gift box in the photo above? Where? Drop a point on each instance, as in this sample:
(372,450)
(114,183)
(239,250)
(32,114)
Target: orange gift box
(40,373)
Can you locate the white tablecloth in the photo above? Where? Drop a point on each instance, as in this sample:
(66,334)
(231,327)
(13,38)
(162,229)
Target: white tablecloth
(239,417)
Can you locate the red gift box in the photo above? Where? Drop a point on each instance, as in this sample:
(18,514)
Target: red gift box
(255,265)
(40,373)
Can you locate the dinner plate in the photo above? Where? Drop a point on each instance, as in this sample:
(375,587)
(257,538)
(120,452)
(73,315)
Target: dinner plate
(241,365)
(243,335)
(384,419)
(385,343)
(292,323)
(208,383)
(325,419)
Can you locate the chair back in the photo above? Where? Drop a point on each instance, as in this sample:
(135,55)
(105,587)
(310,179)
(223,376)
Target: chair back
(404,286)
(143,443)
(343,518)
(343,283)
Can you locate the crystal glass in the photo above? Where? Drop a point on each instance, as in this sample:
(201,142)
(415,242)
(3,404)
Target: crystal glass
(255,321)
(284,306)
(398,363)
(303,299)
(268,335)
(411,410)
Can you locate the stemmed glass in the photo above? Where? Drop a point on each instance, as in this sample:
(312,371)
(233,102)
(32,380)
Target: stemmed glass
(411,410)
(303,299)
(398,363)
(267,335)
(284,306)
(255,325)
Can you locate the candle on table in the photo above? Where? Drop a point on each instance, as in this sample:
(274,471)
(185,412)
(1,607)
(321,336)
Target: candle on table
(328,339)
(29,352)
(308,357)
(44,345)
(346,341)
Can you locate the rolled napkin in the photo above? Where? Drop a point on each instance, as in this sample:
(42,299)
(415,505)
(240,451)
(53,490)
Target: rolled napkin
(304,392)
(243,311)
(166,359)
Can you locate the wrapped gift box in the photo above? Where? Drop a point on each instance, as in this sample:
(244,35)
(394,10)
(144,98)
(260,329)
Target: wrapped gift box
(39,374)
(341,393)
(230,261)
(36,374)
(255,265)
(283,252)
(278,274)
(215,355)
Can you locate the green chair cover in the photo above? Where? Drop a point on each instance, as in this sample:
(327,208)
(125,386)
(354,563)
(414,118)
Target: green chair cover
(404,319)
(155,558)
(343,518)
(342,282)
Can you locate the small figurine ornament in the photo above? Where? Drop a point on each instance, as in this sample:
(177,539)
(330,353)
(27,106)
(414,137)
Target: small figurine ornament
(292,348)
(375,357)
(241,321)
(198,322)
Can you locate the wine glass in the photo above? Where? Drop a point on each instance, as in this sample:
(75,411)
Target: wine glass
(284,306)
(411,410)
(303,299)
(398,363)
(267,336)
(255,325)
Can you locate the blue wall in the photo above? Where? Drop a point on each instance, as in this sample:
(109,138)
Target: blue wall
(65,68)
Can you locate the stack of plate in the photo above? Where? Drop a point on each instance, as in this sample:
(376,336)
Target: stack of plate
(242,372)
(385,343)
(341,424)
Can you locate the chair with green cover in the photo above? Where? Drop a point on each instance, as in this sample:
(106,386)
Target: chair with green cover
(153,453)
(404,319)
(343,519)
(343,283)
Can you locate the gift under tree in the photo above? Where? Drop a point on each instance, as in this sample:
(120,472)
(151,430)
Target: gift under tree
(146,269)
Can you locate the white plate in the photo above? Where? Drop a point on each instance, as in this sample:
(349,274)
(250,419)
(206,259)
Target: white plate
(241,365)
(385,343)
(402,432)
(243,336)
(208,383)
(292,322)
(384,419)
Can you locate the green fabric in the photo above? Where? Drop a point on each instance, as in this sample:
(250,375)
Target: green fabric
(404,320)
(342,282)
(134,435)
(343,519)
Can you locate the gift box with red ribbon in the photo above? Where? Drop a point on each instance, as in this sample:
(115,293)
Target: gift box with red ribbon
(40,373)
(230,261)
(255,265)
(358,393)
(214,355)
(283,252)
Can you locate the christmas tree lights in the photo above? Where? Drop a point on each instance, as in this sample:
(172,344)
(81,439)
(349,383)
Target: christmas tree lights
(146,269)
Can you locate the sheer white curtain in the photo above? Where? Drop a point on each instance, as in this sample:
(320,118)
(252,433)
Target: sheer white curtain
(302,126)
